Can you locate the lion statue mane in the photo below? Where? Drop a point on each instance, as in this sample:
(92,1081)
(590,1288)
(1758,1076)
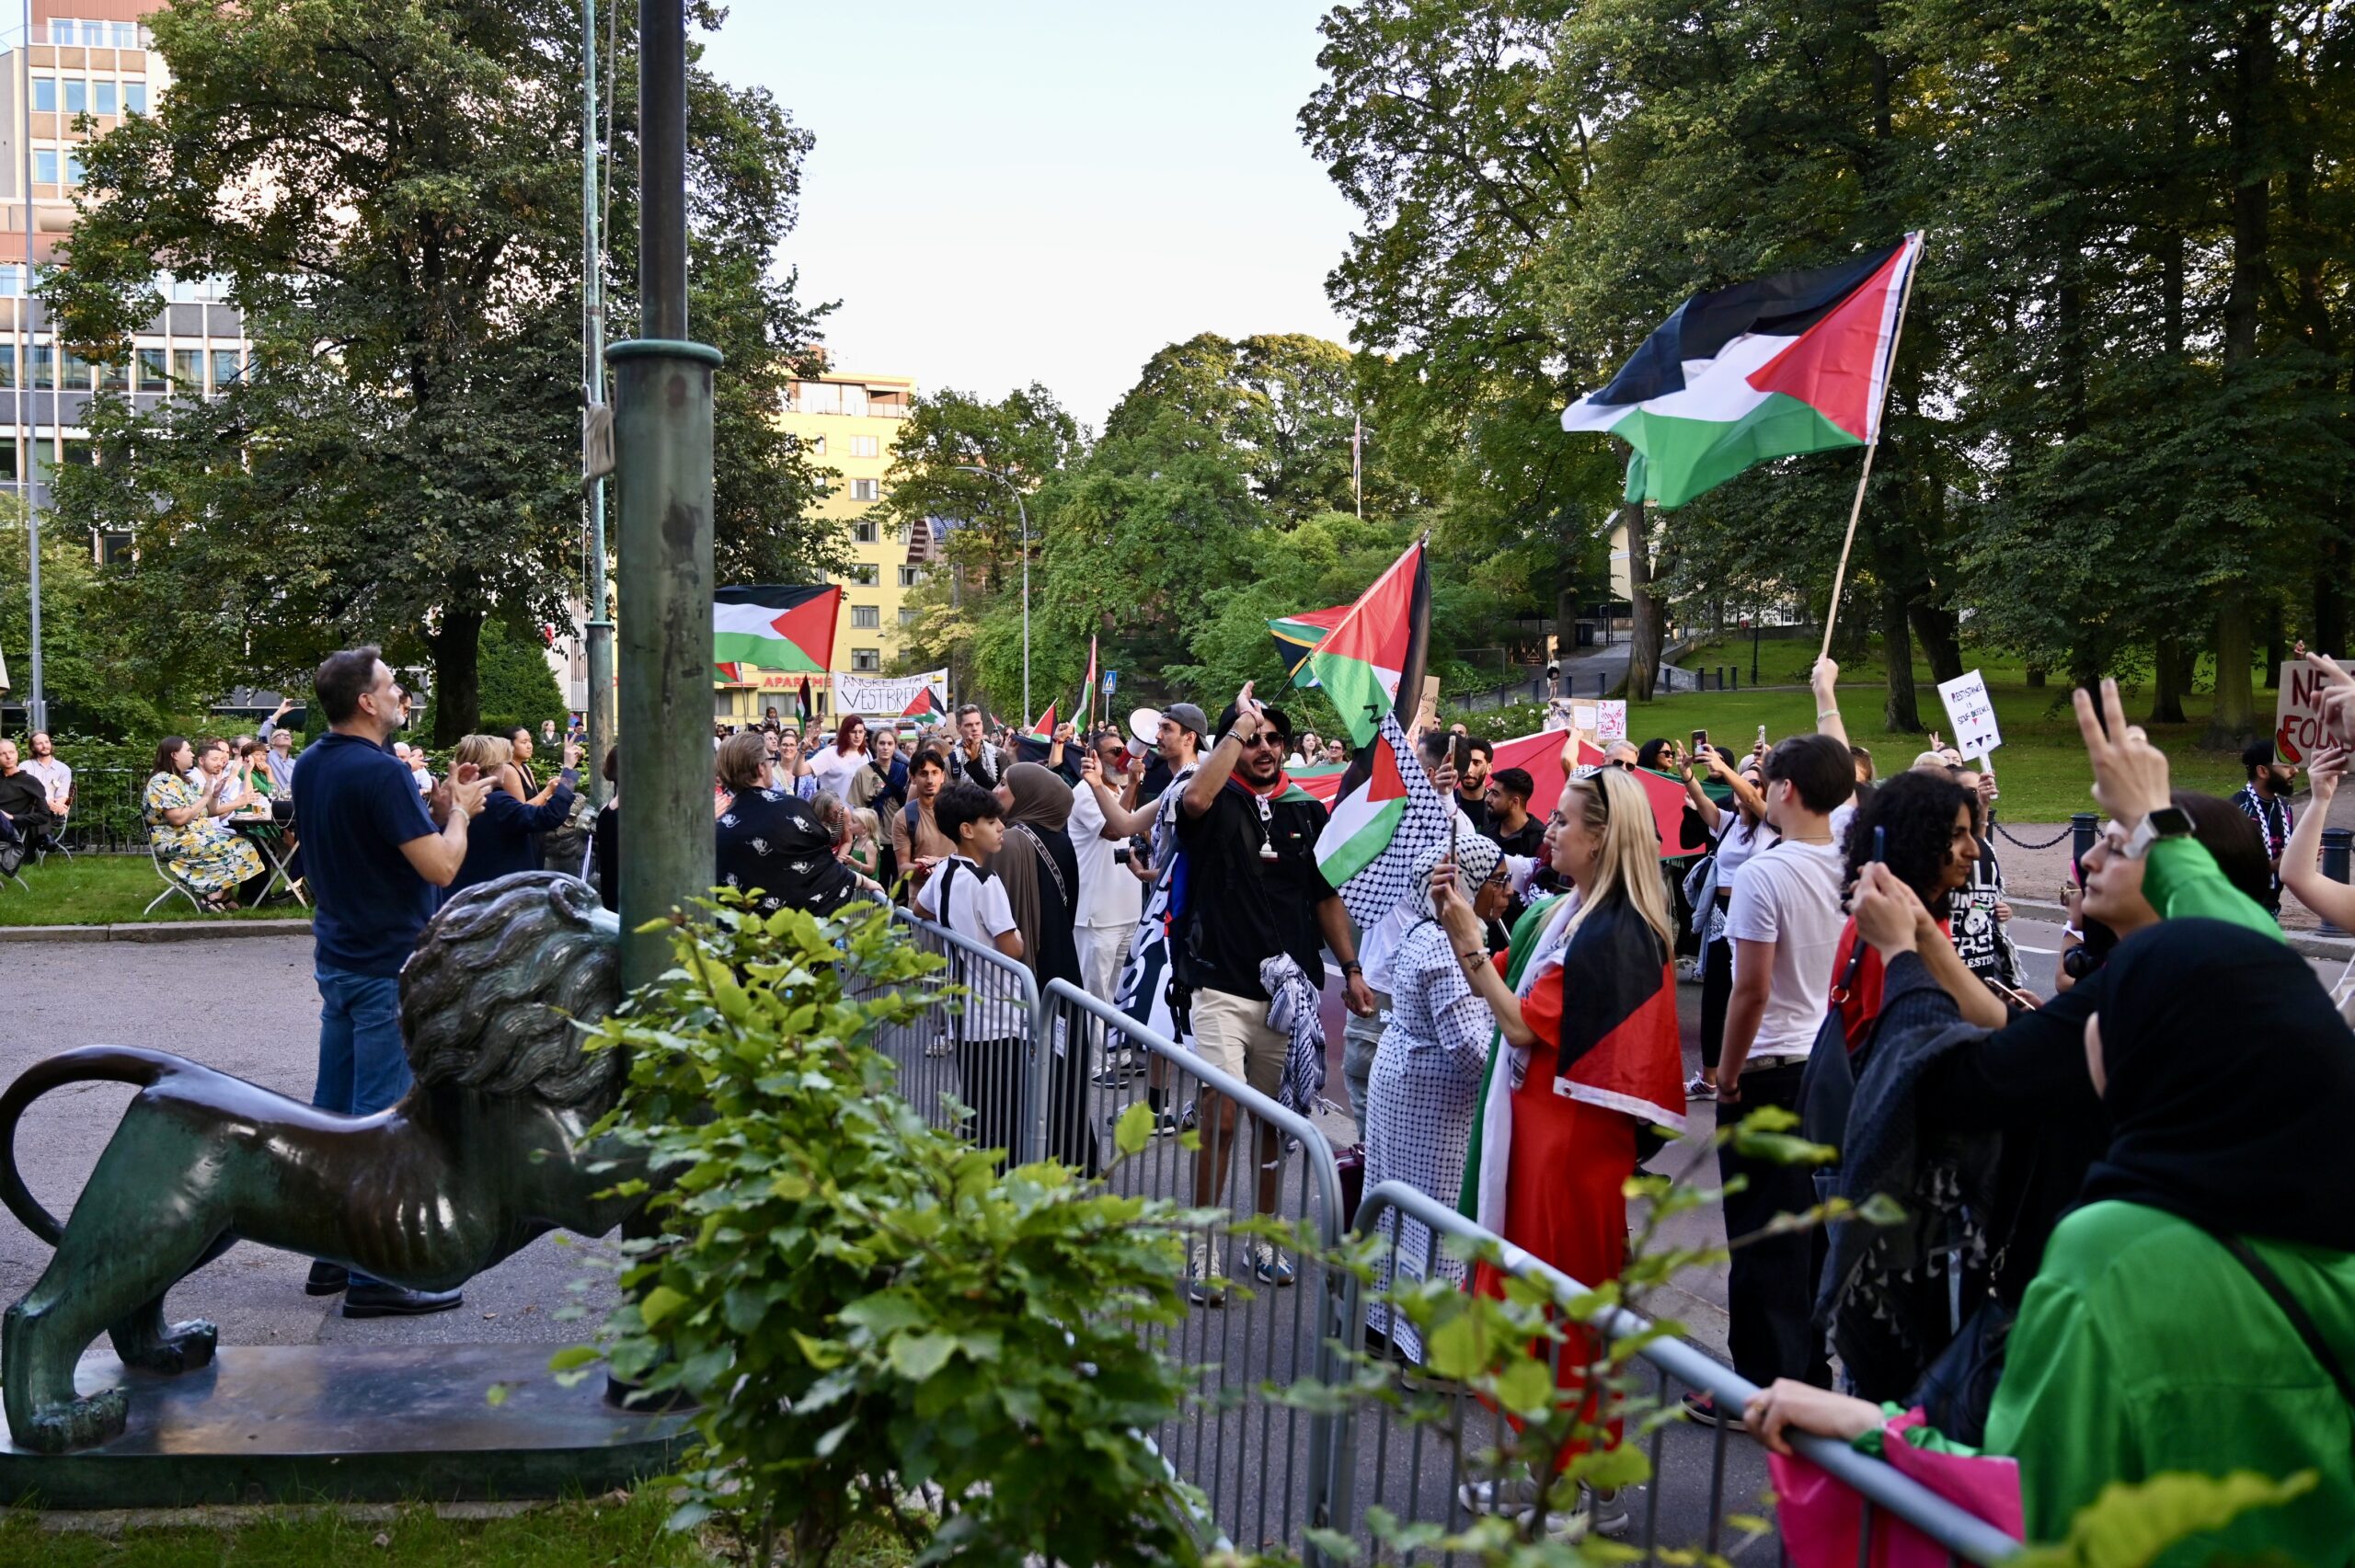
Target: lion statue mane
(487,1151)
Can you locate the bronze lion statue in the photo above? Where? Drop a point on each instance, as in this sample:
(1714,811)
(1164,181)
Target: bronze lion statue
(484,1153)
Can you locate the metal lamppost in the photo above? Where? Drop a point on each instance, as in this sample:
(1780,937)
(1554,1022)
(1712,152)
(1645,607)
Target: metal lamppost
(1023,512)
(600,627)
(662,450)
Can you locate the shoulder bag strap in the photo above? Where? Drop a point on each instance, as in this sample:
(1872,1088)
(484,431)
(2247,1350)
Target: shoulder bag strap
(2300,1320)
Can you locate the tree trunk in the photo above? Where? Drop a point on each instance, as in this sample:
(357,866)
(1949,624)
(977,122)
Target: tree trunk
(1644,642)
(1938,633)
(2329,628)
(1899,711)
(2036,677)
(2231,724)
(2170,678)
(1566,585)
(2277,646)
(458,676)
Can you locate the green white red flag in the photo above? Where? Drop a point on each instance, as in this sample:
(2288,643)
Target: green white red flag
(1361,661)
(1792,363)
(1384,816)
(775,627)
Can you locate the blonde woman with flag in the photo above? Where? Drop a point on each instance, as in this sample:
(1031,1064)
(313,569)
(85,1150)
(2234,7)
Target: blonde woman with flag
(1588,1043)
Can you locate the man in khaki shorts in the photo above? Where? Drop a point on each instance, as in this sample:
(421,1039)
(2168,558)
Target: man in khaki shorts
(1252,891)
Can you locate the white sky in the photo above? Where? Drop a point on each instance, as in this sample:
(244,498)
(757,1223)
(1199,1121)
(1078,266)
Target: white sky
(1017,190)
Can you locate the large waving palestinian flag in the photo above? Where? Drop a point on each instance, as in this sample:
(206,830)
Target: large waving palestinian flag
(1792,363)
(1384,815)
(1362,661)
(775,626)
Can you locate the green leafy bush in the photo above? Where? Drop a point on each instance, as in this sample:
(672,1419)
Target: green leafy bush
(882,1326)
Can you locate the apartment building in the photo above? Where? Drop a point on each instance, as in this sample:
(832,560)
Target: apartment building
(63,60)
(847,423)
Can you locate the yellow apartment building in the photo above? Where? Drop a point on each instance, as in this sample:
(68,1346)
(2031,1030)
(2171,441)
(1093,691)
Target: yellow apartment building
(847,422)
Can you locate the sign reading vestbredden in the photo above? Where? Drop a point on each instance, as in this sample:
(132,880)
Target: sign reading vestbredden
(2298,733)
(1972,713)
(892,696)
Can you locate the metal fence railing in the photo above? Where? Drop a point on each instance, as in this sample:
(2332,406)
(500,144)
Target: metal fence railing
(109,812)
(971,1060)
(1266,1314)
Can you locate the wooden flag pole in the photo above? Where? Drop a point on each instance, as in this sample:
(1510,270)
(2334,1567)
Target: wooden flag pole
(1856,509)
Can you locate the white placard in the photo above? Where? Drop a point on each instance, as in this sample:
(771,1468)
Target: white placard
(890,697)
(1972,712)
(1611,720)
(1582,718)
(2298,733)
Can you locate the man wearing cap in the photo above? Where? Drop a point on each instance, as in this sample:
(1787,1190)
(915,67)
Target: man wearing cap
(1253,891)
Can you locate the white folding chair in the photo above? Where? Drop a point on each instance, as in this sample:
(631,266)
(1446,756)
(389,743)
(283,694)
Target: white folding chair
(172,884)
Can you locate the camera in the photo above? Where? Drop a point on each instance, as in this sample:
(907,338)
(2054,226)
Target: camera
(1120,854)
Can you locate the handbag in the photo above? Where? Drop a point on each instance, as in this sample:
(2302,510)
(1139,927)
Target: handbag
(1822,1521)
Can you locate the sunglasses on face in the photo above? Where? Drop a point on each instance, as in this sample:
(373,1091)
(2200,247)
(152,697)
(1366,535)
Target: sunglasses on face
(1264,739)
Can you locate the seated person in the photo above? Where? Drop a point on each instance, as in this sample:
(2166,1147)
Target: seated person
(192,837)
(24,800)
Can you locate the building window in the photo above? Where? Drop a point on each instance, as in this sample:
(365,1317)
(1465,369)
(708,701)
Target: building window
(865,490)
(225,369)
(135,97)
(42,363)
(863,575)
(45,166)
(908,616)
(818,446)
(188,371)
(73,169)
(7,364)
(854,401)
(77,452)
(115,377)
(73,372)
(77,96)
(10,469)
(865,617)
(113,549)
(12,280)
(102,98)
(153,376)
(126,36)
(44,94)
(911,575)
(866,658)
(864,530)
(866,446)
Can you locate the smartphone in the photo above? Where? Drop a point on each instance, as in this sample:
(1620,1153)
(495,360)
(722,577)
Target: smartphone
(1762,735)
(1462,756)
(1700,739)
(1880,844)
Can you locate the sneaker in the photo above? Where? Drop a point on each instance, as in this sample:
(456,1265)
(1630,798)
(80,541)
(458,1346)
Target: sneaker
(1517,1498)
(937,1048)
(1269,1266)
(1117,1070)
(1702,1410)
(1201,1289)
(1174,1120)
(1689,971)
(1699,1088)
(1609,1511)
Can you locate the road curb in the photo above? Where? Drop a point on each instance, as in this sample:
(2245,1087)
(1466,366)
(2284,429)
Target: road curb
(2305,943)
(152,931)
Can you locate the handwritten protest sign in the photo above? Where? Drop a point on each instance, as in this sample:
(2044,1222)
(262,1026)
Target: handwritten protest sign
(1972,713)
(1611,721)
(2297,713)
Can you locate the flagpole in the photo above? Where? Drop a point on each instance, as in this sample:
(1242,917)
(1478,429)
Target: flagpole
(1857,507)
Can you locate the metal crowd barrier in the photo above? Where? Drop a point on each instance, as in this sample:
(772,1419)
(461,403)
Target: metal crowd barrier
(1272,1470)
(1413,1467)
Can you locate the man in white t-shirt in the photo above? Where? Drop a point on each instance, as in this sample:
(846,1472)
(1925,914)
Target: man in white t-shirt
(1785,925)
(1111,895)
(991,1031)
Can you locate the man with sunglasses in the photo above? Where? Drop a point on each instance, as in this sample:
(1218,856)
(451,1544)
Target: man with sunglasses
(1253,891)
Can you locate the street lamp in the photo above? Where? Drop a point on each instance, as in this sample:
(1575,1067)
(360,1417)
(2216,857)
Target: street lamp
(1025,513)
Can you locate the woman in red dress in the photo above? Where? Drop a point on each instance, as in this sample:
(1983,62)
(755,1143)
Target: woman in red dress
(1591,1055)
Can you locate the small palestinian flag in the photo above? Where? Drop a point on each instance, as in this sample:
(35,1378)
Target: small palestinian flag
(1363,660)
(1297,636)
(775,627)
(926,709)
(1045,729)
(1385,815)
(1792,363)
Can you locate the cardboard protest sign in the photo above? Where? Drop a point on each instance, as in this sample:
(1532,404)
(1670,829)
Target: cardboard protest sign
(1972,713)
(1611,721)
(2298,733)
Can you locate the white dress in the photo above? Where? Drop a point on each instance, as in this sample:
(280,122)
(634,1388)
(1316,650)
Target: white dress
(1420,1100)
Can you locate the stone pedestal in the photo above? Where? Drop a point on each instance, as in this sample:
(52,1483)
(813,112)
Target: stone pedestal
(337,1423)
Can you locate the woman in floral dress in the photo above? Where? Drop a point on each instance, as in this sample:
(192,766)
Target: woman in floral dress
(191,834)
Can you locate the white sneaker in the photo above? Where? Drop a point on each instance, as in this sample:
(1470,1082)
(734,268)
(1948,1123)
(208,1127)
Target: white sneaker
(1517,1497)
(1201,1289)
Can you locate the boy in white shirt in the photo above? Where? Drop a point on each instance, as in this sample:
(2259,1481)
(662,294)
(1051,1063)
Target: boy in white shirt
(993,1033)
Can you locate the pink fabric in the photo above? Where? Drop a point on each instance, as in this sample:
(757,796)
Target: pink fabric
(1819,1517)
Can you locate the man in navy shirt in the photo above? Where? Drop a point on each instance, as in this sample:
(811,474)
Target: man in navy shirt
(372,857)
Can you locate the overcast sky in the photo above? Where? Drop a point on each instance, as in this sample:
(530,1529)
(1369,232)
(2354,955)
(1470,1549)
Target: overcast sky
(1049,191)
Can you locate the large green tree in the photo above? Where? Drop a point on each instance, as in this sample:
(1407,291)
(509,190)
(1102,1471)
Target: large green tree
(392,194)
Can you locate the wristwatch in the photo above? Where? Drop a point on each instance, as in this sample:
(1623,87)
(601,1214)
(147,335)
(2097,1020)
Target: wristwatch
(2166,822)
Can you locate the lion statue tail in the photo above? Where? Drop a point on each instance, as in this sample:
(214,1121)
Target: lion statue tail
(89,1064)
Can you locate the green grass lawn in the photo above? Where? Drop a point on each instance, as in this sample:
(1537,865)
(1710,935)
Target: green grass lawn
(2040,766)
(105,889)
(605,1533)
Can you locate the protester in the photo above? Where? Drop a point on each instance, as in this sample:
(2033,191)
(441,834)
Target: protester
(1587,1059)
(56,778)
(971,900)
(217,781)
(1253,891)
(1734,836)
(1361,1037)
(1924,827)
(1424,1085)
(1982,906)
(917,843)
(1041,870)
(881,781)
(1111,895)
(191,834)
(373,859)
(836,764)
(1510,824)
(976,759)
(1336,752)
(523,780)
(1472,789)
(1784,922)
(2264,800)
(1148,990)
(789,772)
(502,840)
(1310,752)
(770,843)
(2176,1318)
(864,855)
(604,836)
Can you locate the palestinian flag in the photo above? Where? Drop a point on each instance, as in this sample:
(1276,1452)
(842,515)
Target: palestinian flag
(1044,729)
(1363,660)
(1384,816)
(926,709)
(1297,636)
(775,627)
(1795,362)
